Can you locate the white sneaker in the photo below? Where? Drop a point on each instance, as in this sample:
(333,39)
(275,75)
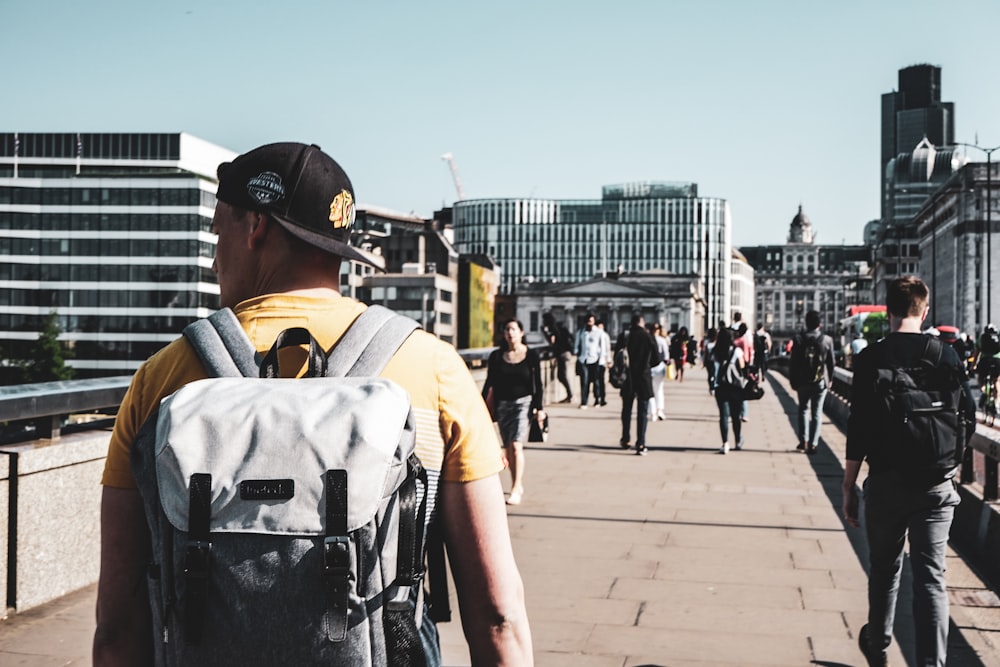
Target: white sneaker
(583,407)
(739,443)
(660,416)
(724,449)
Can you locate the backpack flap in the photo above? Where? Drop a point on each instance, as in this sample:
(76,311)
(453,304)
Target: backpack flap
(924,429)
(268,479)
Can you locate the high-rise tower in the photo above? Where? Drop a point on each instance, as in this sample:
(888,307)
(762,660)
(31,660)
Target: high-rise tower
(910,114)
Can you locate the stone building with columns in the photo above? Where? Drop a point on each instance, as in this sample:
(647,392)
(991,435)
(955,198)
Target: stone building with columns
(801,275)
(673,300)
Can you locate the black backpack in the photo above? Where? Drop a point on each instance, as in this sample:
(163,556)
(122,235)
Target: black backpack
(812,361)
(990,344)
(925,425)
(564,340)
(759,345)
(618,375)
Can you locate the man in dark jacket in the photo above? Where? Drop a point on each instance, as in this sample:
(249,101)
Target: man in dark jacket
(811,374)
(642,356)
(900,500)
(561,343)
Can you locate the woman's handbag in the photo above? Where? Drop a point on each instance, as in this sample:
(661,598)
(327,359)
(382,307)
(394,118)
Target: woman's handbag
(538,432)
(752,390)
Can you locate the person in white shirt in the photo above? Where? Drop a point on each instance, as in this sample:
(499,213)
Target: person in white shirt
(589,357)
(600,397)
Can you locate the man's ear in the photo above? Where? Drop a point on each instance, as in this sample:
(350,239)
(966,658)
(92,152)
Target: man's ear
(259,227)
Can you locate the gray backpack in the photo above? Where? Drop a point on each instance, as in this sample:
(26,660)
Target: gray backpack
(286,520)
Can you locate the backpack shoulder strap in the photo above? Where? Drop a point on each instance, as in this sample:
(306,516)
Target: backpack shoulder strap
(223,346)
(369,343)
(933,350)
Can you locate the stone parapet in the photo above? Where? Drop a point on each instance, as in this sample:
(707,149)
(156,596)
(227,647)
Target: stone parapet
(52,498)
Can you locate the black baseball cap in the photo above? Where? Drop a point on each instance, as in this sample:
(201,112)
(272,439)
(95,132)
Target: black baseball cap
(302,188)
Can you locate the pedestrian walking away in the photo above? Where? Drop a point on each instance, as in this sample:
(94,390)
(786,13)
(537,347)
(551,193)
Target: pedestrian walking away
(678,352)
(810,374)
(283,222)
(560,341)
(729,380)
(744,341)
(513,375)
(762,350)
(913,454)
(642,356)
(708,358)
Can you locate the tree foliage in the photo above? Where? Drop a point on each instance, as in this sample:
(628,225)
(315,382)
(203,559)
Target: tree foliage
(47,362)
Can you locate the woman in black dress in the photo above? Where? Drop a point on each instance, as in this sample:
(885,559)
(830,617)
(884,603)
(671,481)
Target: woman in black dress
(514,377)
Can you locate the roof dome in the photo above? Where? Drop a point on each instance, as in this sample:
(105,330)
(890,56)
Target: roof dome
(801,230)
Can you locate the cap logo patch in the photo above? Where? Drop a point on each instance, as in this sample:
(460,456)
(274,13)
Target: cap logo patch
(266,188)
(342,210)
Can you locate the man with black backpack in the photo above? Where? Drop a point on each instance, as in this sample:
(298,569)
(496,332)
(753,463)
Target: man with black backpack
(197,529)
(810,372)
(912,413)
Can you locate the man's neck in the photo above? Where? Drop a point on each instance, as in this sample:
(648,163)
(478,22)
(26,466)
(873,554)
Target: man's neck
(905,324)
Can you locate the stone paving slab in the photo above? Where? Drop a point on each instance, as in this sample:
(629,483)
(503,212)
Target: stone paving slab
(684,557)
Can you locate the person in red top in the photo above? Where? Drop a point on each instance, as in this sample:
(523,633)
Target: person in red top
(743,341)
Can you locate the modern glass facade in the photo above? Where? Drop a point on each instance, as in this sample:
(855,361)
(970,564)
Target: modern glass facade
(633,227)
(111,232)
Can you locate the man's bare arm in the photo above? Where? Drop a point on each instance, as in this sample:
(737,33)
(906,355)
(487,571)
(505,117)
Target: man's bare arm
(123,635)
(490,591)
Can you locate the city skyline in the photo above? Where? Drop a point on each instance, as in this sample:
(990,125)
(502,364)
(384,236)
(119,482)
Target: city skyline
(768,107)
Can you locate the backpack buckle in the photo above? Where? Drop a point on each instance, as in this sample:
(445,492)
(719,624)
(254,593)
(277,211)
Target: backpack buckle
(336,555)
(196,559)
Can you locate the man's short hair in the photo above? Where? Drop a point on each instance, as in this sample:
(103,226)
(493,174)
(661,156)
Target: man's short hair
(906,296)
(812,319)
(636,317)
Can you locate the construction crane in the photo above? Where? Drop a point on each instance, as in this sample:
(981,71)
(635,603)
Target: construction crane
(450,159)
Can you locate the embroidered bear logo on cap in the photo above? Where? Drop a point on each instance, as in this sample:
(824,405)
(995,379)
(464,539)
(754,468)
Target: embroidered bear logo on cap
(266,188)
(342,210)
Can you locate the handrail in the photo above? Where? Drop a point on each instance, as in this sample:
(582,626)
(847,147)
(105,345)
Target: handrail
(985,441)
(47,404)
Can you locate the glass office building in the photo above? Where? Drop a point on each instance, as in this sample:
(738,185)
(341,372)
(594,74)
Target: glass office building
(111,232)
(633,227)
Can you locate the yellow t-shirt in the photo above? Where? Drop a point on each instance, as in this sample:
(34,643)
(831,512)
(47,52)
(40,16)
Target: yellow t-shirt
(455,434)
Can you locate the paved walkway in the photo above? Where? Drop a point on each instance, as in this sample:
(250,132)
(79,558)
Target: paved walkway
(682,558)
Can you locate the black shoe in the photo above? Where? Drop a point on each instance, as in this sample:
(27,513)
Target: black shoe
(879,659)
(811,449)
(801,447)
(624,444)
(568,399)
(640,450)
(603,402)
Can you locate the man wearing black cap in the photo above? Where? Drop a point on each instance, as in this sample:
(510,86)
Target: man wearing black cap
(283,221)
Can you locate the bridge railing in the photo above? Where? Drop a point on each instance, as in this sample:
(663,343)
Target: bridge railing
(53,441)
(980,467)
(50,478)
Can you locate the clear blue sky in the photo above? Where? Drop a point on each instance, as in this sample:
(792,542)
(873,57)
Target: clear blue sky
(765,104)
